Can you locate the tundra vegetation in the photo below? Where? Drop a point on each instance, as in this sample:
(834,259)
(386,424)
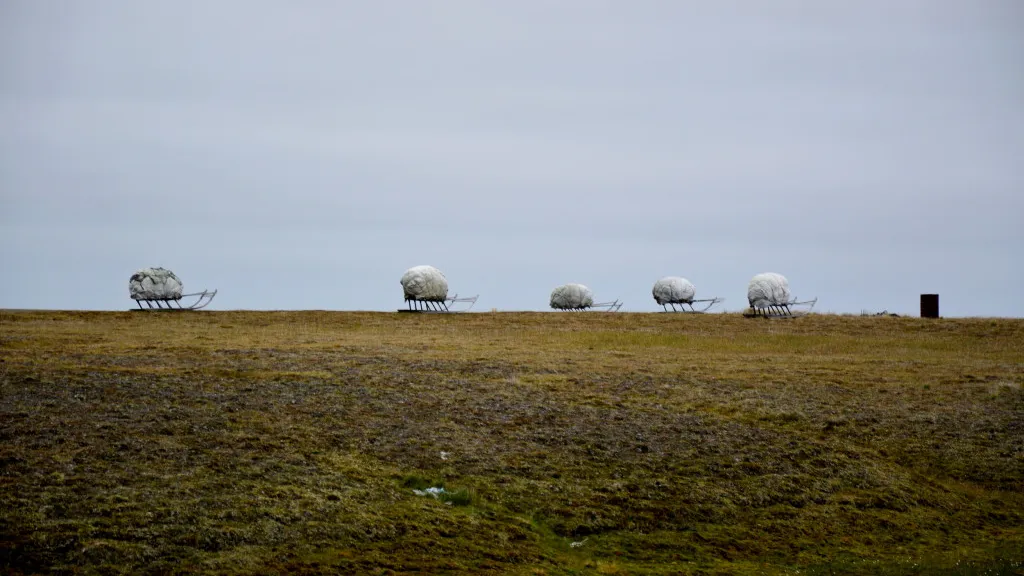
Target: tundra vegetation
(521,443)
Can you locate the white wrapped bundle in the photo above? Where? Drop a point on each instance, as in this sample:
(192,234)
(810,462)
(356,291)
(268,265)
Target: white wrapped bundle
(673,290)
(571,296)
(768,289)
(425,283)
(154,284)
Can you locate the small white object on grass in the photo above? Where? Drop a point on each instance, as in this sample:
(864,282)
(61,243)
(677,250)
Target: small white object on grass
(434,491)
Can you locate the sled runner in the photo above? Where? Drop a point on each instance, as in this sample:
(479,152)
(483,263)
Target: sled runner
(606,306)
(201,300)
(448,304)
(792,309)
(706,303)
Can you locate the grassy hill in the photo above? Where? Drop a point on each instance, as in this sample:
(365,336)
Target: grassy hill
(566,443)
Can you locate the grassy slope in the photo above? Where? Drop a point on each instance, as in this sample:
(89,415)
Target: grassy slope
(255,442)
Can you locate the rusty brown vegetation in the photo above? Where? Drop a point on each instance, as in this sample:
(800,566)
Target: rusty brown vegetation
(569,443)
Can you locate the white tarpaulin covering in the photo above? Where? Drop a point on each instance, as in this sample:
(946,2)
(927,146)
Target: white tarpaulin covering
(768,289)
(154,284)
(673,290)
(425,283)
(571,296)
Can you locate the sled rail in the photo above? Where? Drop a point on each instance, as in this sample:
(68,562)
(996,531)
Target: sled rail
(453,304)
(705,304)
(202,299)
(605,306)
(785,310)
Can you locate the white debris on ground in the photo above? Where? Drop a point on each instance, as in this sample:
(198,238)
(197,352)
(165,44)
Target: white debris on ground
(154,284)
(434,491)
(577,544)
(444,455)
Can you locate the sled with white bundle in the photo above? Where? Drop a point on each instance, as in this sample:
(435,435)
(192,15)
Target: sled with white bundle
(426,290)
(578,298)
(769,297)
(672,291)
(160,289)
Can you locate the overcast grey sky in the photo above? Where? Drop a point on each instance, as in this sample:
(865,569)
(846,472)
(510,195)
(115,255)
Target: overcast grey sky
(304,154)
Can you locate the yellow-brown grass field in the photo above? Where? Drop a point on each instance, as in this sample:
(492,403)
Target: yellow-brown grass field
(566,443)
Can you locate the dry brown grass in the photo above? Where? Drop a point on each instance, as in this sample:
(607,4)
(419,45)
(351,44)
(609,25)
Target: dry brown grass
(264,442)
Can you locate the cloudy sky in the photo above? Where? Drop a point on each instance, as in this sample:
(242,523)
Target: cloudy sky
(303,154)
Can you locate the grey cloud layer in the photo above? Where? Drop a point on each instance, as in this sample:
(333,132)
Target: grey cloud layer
(869,152)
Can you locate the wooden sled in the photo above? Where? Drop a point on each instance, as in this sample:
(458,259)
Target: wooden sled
(706,302)
(202,299)
(448,305)
(782,310)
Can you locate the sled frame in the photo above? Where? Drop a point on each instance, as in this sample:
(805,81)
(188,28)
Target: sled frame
(606,306)
(448,305)
(707,304)
(782,310)
(202,299)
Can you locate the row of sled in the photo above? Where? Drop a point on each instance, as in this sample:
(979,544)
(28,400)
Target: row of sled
(425,289)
